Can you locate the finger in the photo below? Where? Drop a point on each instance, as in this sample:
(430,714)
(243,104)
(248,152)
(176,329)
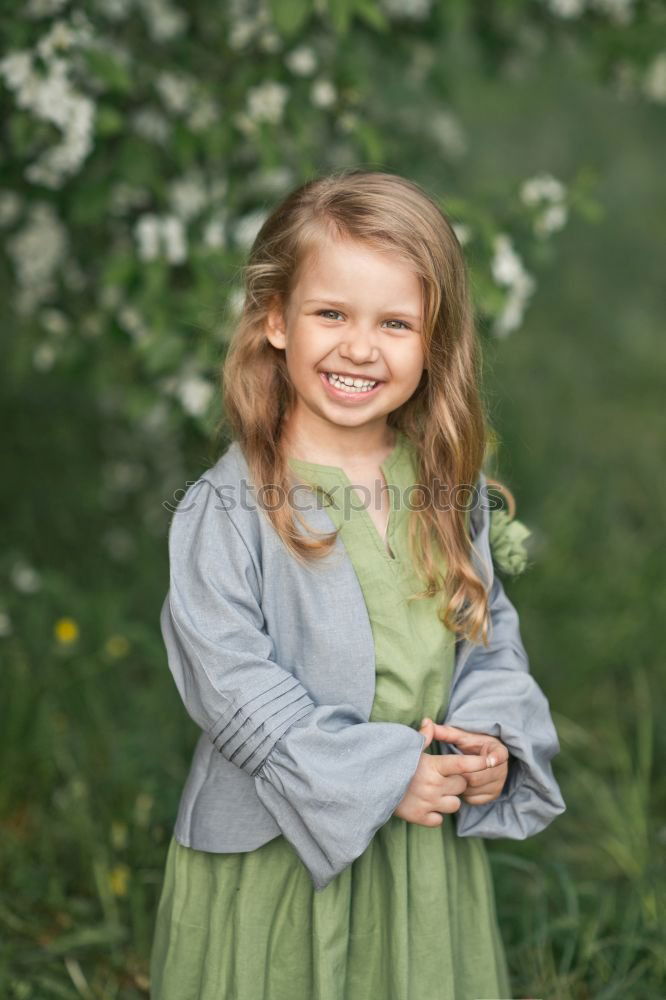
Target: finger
(496,753)
(459,763)
(490,775)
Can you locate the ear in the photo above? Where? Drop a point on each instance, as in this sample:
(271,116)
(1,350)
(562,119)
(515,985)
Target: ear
(275,325)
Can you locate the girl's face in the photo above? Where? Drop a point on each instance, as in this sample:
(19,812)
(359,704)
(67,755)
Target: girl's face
(354,312)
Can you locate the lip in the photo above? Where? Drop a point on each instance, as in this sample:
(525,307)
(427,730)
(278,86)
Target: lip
(351,397)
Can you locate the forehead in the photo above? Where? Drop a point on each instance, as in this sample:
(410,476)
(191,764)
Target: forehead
(338,268)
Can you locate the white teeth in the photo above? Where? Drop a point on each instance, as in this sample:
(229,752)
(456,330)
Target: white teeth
(350,384)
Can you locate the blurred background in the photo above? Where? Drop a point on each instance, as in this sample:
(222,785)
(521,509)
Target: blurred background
(143,143)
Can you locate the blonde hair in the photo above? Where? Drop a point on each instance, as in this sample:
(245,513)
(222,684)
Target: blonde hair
(444,419)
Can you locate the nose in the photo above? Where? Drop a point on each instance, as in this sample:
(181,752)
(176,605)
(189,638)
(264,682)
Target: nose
(359,347)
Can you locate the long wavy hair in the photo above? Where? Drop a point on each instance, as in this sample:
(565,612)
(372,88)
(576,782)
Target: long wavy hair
(444,419)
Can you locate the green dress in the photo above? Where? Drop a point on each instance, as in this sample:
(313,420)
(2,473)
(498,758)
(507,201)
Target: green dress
(414,915)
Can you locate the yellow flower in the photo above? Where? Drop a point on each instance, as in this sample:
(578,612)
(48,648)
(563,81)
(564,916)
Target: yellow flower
(66,630)
(118,879)
(507,537)
(116,646)
(118,834)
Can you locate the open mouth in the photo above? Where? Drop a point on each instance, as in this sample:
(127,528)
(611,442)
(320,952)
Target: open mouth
(359,387)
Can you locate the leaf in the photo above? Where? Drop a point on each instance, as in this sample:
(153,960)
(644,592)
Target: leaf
(341,13)
(289,16)
(109,70)
(368,11)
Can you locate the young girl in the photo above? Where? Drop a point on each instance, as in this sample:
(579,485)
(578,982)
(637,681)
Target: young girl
(336,628)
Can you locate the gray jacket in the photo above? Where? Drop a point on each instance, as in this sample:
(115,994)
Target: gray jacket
(275,662)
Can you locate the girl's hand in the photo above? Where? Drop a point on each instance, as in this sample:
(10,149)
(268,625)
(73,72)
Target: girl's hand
(482,786)
(436,786)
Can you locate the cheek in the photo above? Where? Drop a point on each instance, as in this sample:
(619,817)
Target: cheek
(409,365)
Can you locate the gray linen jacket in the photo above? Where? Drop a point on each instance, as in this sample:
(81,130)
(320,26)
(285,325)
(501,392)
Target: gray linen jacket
(275,662)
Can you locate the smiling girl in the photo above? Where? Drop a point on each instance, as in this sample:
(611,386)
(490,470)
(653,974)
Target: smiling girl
(367,711)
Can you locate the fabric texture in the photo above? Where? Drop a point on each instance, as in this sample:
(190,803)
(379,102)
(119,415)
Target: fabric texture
(251,635)
(414,914)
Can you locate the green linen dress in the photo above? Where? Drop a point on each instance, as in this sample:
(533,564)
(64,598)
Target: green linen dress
(413,916)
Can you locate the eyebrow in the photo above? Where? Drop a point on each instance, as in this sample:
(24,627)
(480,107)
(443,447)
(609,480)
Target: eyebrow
(344,305)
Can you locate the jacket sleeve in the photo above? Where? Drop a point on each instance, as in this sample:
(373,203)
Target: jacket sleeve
(495,693)
(328,777)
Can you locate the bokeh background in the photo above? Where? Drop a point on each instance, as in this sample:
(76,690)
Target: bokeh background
(143,143)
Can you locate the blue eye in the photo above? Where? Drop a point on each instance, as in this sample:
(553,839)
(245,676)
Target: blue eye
(323,312)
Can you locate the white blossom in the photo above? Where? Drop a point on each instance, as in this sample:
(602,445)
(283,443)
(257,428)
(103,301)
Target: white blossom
(551,219)
(240,34)
(36,251)
(618,11)
(147,231)
(654,80)
(164,20)
(508,270)
(194,393)
(513,310)
(323,93)
(567,8)
(246,22)
(10,207)
(123,197)
(446,128)
(247,227)
(173,233)
(204,114)
(25,578)
(266,102)
(302,61)
(60,37)
(271,180)
(506,265)
(542,187)
(53,98)
(150,124)
(43,8)
(132,322)
(188,195)
(54,321)
(269,40)
(463,232)
(161,234)
(176,90)
(415,10)
(43,356)
(547,194)
(214,234)
(348,121)
(115,10)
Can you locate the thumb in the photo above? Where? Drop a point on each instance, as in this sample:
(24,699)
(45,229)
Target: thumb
(450,734)
(428,727)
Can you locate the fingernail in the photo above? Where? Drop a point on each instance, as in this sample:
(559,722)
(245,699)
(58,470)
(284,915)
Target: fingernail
(424,721)
(491,762)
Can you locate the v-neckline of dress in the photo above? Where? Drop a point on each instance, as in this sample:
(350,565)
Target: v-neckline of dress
(336,472)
